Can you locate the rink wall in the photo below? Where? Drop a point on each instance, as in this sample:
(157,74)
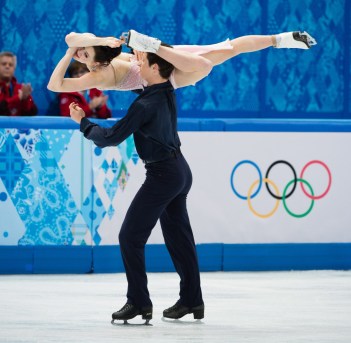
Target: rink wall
(62,199)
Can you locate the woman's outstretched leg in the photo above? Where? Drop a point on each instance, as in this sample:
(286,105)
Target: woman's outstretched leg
(193,63)
(252,43)
(240,45)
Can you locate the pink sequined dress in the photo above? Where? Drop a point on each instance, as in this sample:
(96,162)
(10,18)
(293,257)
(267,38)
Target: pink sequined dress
(133,80)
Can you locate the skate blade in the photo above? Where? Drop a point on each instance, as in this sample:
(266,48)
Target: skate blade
(117,322)
(182,322)
(310,40)
(125,36)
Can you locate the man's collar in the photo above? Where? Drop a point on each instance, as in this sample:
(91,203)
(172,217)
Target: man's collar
(161,85)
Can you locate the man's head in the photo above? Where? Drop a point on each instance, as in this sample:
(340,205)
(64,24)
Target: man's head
(155,69)
(8,63)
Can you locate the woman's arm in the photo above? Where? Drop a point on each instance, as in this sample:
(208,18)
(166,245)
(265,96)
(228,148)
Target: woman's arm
(56,79)
(81,40)
(58,82)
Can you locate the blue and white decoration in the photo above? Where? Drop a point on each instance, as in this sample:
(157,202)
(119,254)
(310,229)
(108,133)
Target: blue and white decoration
(57,188)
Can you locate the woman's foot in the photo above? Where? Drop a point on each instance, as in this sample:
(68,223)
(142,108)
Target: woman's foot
(140,42)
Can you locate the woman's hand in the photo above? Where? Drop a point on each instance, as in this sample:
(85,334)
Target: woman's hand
(72,51)
(113,42)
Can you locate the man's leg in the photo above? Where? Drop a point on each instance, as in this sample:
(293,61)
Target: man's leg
(140,219)
(143,213)
(180,243)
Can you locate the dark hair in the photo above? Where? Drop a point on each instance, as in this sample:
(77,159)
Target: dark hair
(165,68)
(75,66)
(104,54)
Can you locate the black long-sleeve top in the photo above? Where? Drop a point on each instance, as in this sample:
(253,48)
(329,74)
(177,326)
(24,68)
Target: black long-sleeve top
(152,119)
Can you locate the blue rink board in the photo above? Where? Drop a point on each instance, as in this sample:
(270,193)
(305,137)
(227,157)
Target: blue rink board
(212,257)
(198,124)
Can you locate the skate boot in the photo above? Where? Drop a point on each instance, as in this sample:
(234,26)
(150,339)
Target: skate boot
(140,42)
(178,311)
(297,40)
(129,311)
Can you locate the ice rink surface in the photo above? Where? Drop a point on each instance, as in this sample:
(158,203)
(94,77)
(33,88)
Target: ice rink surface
(259,307)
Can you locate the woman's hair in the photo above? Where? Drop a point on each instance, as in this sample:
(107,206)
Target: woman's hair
(165,68)
(76,67)
(104,54)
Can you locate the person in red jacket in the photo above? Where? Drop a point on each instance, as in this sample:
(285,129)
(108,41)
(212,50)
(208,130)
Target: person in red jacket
(92,101)
(15,97)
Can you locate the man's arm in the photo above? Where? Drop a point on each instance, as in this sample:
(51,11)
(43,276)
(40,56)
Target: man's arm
(113,136)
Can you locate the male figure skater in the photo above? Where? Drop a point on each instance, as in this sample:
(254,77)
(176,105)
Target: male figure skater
(152,119)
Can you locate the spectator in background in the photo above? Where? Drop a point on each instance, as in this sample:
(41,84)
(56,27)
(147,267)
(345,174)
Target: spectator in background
(15,98)
(93,101)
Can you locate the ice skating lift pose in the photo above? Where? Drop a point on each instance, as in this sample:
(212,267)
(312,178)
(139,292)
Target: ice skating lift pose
(110,68)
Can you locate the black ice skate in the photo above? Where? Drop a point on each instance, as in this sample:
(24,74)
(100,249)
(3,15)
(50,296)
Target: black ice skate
(178,311)
(129,311)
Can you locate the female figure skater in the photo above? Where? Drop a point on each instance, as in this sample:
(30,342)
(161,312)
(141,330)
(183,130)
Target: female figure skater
(112,69)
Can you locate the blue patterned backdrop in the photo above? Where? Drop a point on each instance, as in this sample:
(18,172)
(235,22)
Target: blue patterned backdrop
(271,83)
(57,188)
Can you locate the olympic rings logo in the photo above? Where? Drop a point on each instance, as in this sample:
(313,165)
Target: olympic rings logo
(288,190)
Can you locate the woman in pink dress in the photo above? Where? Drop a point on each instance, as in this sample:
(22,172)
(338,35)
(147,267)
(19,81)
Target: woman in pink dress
(110,68)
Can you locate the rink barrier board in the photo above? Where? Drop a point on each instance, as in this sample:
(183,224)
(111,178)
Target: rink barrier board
(198,124)
(212,257)
(98,259)
(286,256)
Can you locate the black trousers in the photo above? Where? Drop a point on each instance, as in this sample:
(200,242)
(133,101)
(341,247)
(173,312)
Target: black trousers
(162,196)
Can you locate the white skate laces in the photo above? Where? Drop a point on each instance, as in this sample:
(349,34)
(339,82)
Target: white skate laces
(295,40)
(140,42)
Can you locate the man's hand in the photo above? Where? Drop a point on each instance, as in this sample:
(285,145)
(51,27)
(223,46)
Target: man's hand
(140,56)
(76,112)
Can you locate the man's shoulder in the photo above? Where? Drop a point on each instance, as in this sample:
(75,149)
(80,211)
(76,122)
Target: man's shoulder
(139,104)
(150,102)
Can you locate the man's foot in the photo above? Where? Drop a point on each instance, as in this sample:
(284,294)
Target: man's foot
(297,40)
(143,43)
(129,311)
(178,311)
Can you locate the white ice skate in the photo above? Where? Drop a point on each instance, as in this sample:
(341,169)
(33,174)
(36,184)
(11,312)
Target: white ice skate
(295,40)
(140,42)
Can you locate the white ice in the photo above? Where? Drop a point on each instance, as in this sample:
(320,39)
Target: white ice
(311,306)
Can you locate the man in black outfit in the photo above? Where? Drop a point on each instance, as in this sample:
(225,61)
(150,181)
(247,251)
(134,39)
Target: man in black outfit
(152,119)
